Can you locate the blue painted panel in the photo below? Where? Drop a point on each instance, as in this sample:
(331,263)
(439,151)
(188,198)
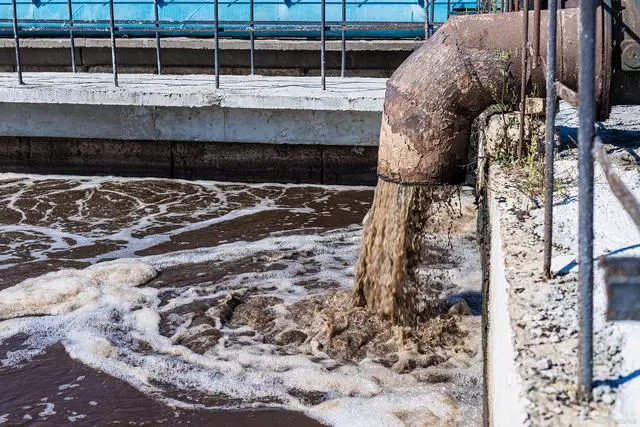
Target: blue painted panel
(190,11)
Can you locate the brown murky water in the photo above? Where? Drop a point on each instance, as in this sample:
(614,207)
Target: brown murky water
(236,308)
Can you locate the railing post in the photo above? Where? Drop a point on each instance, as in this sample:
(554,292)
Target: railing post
(72,42)
(523,78)
(586,83)
(112,31)
(156,14)
(550,123)
(16,37)
(252,37)
(216,48)
(343,60)
(323,19)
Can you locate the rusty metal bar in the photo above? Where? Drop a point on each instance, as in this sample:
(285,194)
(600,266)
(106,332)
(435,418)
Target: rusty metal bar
(16,38)
(156,14)
(216,47)
(112,33)
(523,77)
(552,34)
(536,33)
(622,193)
(586,133)
(72,43)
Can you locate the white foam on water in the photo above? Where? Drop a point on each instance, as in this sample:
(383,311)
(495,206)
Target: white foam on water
(106,318)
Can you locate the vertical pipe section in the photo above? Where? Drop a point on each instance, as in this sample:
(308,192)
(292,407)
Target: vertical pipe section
(16,38)
(586,83)
(112,31)
(523,76)
(216,55)
(343,60)
(72,42)
(252,37)
(156,14)
(323,21)
(552,34)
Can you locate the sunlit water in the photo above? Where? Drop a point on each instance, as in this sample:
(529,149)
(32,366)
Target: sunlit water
(131,278)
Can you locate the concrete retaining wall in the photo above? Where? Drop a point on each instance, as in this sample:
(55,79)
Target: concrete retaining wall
(365,58)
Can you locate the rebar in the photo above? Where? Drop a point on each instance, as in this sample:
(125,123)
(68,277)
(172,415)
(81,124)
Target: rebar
(156,14)
(16,38)
(552,34)
(523,78)
(323,19)
(72,42)
(586,132)
(112,33)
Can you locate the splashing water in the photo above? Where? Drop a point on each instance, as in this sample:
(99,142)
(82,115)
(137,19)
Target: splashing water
(392,247)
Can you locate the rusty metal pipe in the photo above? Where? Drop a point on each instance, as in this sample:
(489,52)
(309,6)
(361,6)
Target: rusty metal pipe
(470,63)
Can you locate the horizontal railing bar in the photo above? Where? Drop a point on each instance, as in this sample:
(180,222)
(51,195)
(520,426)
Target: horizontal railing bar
(206,22)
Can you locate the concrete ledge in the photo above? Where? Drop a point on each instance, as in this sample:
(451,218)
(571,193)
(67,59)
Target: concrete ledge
(145,107)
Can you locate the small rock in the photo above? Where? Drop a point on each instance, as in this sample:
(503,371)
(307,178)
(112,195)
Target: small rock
(461,308)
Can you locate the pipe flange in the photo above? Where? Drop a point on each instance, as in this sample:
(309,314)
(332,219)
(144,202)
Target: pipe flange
(630,55)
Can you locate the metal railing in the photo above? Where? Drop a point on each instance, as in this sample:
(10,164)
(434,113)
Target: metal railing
(159,28)
(589,146)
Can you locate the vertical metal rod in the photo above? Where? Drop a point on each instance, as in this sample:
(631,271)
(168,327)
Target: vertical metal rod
(323,19)
(448,9)
(552,34)
(523,78)
(433,17)
(536,33)
(252,37)
(343,61)
(156,14)
(16,39)
(586,83)
(427,22)
(112,31)
(216,48)
(502,6)
(72,42)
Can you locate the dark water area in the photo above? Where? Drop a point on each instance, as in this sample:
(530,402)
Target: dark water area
(50,223)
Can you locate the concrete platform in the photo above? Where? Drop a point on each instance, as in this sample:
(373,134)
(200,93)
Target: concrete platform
(257,109)
(280,129)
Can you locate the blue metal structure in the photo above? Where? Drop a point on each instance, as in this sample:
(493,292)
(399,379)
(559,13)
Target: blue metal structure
(285,18)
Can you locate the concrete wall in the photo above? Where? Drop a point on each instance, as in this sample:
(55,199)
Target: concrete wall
(366,58)
(323,164)
(504,386)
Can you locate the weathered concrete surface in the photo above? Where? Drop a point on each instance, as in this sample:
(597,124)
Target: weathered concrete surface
(191,160)
(541,315)
(273,110)
(182,55)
